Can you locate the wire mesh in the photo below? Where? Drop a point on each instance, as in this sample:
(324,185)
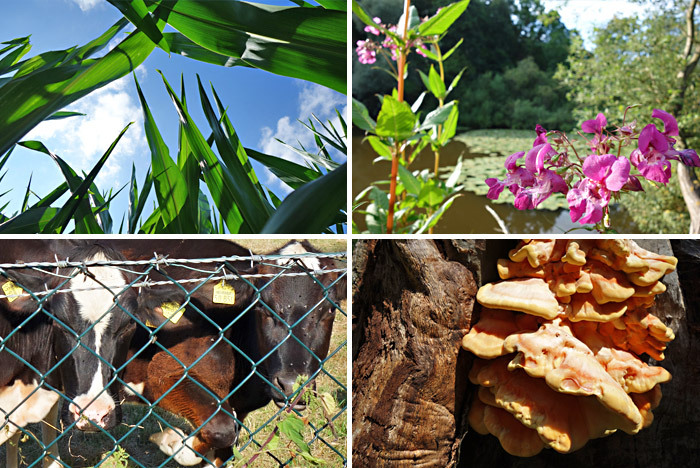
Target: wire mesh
(276,435)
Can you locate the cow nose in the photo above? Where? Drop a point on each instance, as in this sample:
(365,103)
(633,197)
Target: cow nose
(98,414)
(287,387)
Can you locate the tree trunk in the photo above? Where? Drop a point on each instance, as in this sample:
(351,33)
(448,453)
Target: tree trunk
(413,302)
(690,188)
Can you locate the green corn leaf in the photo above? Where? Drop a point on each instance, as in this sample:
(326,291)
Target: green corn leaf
(137,12)
(340,5)
(28,100)
(13,57)
(289,172)
(312,207)
(181,45)
(305,43)
(63,115)
(235,142)
(137,201)
(187,162)
(171,187)
(250,200)
(54,195)
(33,220)
(220,182)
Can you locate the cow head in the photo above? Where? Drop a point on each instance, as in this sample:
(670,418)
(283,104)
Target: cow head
(91,334)
(295,318)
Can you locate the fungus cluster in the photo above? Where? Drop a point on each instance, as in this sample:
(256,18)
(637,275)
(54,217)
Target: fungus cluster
(559,341)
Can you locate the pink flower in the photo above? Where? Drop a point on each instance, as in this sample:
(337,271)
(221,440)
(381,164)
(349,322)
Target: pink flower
(546,183)
(690,158)
(670,124)
(604,174)
(597,125)
(653,156)
(372,29)
(366,52)
(516,178)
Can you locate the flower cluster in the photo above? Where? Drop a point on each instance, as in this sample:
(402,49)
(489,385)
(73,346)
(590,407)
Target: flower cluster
(367,50)
(590,182)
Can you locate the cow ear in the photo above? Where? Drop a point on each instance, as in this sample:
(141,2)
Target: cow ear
(339,289)
(14,289)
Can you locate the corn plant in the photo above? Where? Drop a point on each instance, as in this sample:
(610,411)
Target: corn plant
(305,42)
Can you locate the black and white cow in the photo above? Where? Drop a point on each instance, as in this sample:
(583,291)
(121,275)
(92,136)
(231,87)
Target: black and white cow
(68,341)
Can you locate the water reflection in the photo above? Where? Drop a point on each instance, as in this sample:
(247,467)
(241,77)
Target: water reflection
(468,214)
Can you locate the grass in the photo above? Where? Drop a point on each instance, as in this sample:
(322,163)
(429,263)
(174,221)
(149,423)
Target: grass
(327,445)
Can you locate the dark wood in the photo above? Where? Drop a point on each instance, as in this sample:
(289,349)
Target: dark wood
(413,304)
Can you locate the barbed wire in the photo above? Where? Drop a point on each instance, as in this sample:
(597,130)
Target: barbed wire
(173,263)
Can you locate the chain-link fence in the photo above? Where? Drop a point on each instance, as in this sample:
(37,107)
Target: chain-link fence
(225,334)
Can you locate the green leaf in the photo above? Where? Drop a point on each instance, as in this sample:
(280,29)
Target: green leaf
(292,426)
(13,57)
(431,194)
(304,43)
(437,116)
(452,50)
(455,81)
(313,206)
(435,217)
(409,181)
(379,147)
(361,118)
(28,100)
(395,119)
(441,22)
(137,200)
(171,187)
(449,128)
(340,5)
(220,182)
(137,12)
(189,167)
(437,86)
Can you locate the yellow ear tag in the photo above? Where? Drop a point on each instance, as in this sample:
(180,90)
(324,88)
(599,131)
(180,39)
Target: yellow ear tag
(171,312)
(150,324)
(224,294)
(11,289)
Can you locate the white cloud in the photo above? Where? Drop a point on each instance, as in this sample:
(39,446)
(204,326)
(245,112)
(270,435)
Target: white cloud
(85,5)
(82,140)
(313,100)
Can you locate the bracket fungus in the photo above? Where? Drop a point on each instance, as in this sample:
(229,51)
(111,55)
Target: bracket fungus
(559,344)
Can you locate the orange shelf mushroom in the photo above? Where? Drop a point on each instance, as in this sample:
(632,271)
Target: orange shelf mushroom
(559,344)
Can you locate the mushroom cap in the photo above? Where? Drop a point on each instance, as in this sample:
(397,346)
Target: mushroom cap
(508,269)
(633,375)
(476,416)
(646,402)
(515,438)
(537,252)
(609,285)
(640,332)
(586,307)
(529,295)
(486,337)
(563,422)
(569,366)
(576,251)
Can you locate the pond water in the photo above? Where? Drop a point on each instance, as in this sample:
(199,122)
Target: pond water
(468,214)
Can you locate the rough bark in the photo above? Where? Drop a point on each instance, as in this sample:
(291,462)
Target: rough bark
(413,302)
(672,439)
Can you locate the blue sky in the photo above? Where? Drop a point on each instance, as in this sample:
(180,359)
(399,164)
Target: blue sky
(262,106)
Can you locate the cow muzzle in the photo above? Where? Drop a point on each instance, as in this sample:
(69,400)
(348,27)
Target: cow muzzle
(90,413)
(282,395)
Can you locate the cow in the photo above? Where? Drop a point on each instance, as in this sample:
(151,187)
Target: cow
(84,332)
(255,322)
